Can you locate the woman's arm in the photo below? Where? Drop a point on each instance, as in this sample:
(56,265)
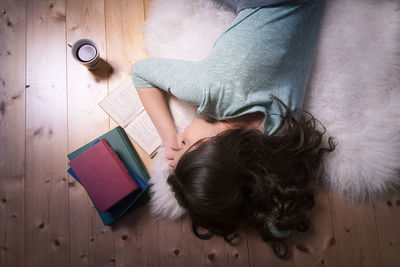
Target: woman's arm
(155,104)
(153,77)
(177,77)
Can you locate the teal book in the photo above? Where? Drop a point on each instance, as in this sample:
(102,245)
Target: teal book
(120,143)
(122,146)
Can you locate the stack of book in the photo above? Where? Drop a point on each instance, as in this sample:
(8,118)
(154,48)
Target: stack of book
(112,174)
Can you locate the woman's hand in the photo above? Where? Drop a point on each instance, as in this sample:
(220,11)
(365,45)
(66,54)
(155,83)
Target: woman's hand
(171,150)
(170,155)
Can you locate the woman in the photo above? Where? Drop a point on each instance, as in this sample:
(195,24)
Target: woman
(250,155)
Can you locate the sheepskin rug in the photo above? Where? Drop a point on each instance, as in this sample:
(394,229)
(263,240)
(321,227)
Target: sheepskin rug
(354,88)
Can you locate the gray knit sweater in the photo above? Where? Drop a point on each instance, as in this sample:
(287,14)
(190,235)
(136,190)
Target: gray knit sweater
(265,52)
(238,5)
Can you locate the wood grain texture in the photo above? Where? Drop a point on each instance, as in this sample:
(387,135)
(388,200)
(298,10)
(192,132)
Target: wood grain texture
(136,239)
(387,216)
(12,131)
(92,241)
(180,247)
(355,229)
(261,253)
(46,196)
(317,246)
(125,20)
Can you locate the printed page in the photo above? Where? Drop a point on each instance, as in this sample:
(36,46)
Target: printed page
(123,103)
(145,134)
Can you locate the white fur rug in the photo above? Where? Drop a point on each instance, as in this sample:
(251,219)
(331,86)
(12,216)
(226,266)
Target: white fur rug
(354,88)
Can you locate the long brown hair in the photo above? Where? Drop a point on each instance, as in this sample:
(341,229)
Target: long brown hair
(246,178)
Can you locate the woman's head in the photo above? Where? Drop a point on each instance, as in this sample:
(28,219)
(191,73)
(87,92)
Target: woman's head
(244,177)
(198,130)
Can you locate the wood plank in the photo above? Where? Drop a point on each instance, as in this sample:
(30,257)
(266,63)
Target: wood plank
(261,253)
(46,202)
(136,239)
(91,242)
(180,247)
(135,235)
(355,232)
(12,131)
(387,215)
(237,254)
(217,252)
(172,248)
(317,246)
(125,46)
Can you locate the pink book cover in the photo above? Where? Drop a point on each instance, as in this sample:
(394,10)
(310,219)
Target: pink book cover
(103,175)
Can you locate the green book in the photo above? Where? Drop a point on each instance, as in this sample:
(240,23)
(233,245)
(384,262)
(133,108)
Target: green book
(120,143)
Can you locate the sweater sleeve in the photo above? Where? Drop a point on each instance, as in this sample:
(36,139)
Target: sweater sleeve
(177,77)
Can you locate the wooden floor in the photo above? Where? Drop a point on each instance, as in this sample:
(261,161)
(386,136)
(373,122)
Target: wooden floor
(48,108)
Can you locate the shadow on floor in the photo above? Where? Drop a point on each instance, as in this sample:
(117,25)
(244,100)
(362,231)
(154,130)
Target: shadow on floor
(104,71)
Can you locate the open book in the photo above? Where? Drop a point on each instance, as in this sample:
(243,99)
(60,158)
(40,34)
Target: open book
(125,108)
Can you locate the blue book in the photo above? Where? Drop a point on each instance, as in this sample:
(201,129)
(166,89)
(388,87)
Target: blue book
(119,209)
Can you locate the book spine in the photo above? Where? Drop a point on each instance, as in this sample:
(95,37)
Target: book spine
(124,137)
(116,158)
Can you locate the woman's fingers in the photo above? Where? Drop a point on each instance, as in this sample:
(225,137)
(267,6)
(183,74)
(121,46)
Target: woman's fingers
(171,166)
(170,155)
